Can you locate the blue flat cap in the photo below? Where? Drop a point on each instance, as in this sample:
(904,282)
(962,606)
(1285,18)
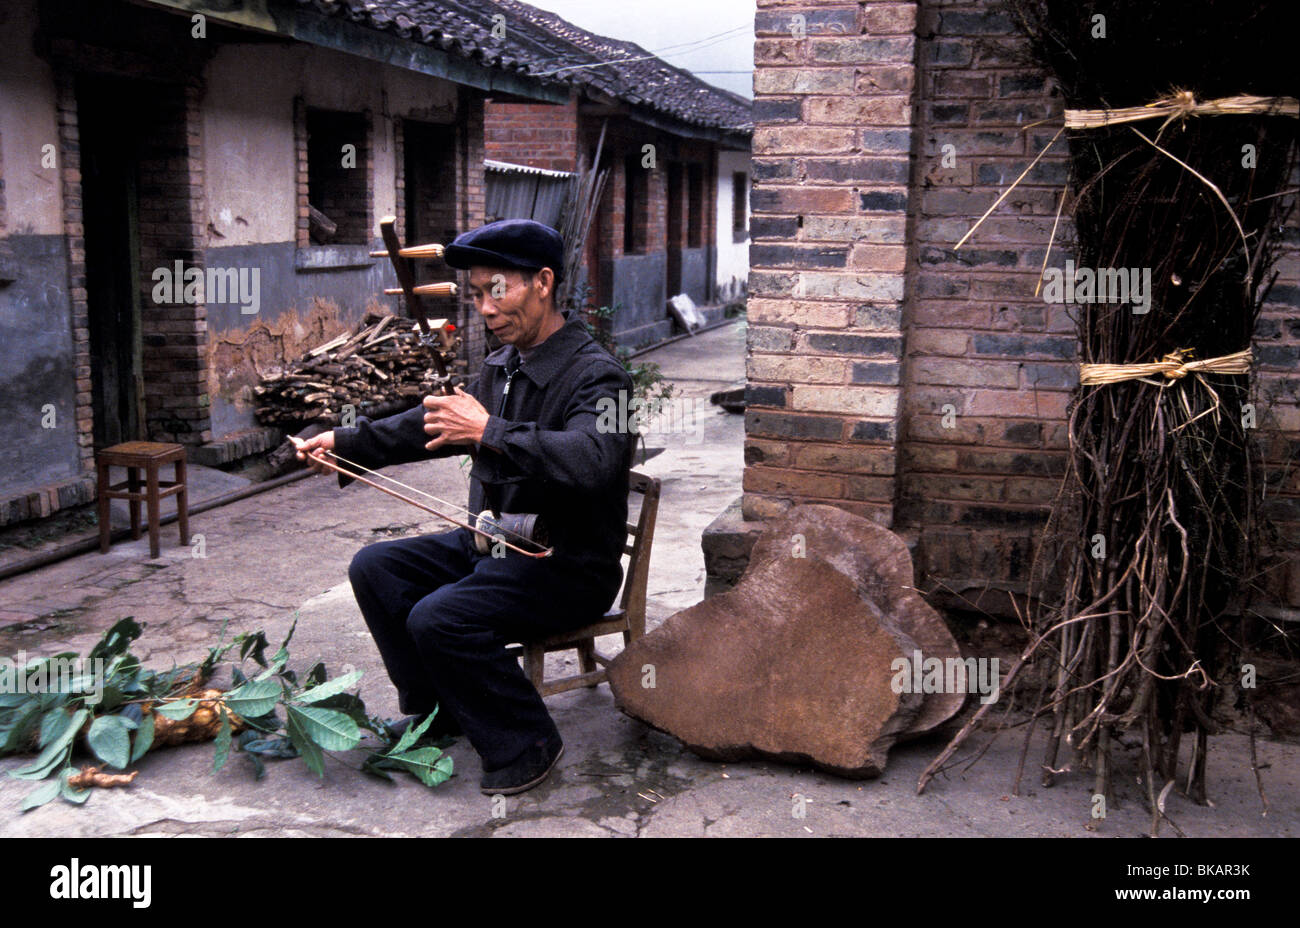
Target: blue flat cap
(515,243)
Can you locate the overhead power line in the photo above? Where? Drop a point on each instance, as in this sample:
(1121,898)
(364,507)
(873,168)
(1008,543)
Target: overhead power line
(681,49)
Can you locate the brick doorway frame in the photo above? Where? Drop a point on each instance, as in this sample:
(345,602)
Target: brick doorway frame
(174,362)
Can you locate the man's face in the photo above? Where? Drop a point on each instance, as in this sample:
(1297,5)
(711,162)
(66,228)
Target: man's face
(514,304)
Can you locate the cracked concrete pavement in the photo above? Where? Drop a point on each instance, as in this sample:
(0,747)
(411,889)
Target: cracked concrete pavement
(285,552)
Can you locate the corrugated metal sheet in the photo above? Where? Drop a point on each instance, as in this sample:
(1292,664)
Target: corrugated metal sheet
(507,167)
(516,191)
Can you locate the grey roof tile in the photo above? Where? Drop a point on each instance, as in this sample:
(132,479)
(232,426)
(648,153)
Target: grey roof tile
(542,45)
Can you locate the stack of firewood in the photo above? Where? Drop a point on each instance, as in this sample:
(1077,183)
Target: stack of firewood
(381,365)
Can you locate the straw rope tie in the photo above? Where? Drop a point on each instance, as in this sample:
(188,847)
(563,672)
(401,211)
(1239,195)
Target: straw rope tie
(1181,104)
(1174,366)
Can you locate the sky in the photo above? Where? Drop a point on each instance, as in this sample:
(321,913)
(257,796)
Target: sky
(701,36)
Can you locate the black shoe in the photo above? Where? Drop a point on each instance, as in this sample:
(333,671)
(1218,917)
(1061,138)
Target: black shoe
(442,726)
(532,767)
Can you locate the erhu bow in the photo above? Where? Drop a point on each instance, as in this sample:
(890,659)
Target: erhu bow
(484,518)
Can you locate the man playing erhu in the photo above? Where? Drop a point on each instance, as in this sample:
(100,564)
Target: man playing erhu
(441,611)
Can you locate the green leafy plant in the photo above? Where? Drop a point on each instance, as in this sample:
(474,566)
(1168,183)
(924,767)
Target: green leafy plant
(649,387)
(124,710)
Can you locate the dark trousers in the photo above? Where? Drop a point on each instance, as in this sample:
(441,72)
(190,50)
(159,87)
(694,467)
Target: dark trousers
(442,615)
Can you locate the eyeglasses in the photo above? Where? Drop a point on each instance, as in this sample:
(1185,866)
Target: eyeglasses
(478,293)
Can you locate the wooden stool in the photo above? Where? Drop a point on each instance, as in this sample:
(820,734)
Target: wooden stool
(149,456)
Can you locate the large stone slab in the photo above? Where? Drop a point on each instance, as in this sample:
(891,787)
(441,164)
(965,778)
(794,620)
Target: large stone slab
(880,566)
(794,664)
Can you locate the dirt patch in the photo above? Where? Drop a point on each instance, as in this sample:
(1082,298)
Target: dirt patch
(20,541)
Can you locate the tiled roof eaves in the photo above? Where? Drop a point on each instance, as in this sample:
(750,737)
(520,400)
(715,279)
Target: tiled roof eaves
(537,44)
(376,15)
(645,80)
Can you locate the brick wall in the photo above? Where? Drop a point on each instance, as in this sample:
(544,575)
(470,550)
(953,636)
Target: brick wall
(608,233)
(452,198)
(170,190)
(426,175)
(170,198)
(75,231)
(978,484)
(302,230)
(833,122)
(471,197)
(553,137)
(345,194)
(979,340)
(45,499)
(638,210)
(1277,387)
(174,359)
(888,374)
(624,147)
(650,184)
(655,215)
(540,135)
(431,151)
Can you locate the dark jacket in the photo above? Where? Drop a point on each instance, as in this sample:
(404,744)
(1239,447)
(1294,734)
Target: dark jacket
(544,453)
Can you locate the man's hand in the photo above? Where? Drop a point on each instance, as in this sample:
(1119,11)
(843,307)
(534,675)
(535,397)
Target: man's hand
(458,419)
(310,450)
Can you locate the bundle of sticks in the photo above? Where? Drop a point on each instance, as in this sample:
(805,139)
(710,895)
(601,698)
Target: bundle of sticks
(1142,633)
(379,365)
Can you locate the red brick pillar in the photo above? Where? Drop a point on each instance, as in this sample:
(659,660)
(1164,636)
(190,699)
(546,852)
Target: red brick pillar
(302,232)
(833,113)
(75,233)
(656,212)
(174,333)
(470,209)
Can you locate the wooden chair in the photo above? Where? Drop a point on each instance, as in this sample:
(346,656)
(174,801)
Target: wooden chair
(627,617)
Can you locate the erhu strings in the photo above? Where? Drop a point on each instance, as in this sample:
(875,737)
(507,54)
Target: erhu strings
(497,537)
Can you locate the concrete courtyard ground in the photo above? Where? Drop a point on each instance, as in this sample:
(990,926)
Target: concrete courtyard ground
(285,552)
